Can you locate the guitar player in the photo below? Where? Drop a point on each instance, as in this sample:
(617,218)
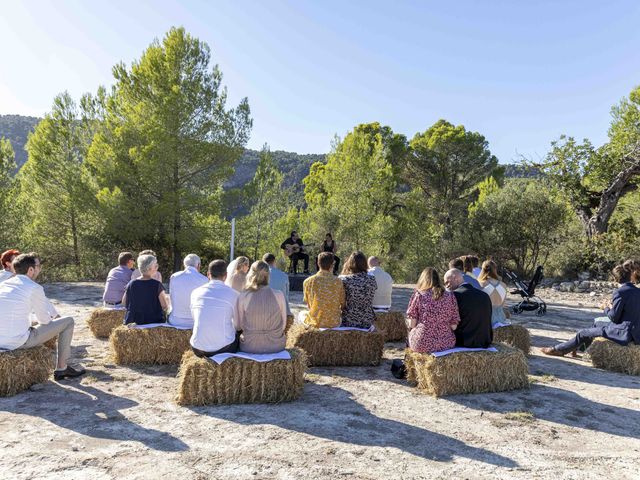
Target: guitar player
(294,249)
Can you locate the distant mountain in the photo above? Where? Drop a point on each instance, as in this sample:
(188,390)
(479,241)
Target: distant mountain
(16,128)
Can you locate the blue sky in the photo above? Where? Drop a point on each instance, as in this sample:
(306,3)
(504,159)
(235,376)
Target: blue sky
(521,73)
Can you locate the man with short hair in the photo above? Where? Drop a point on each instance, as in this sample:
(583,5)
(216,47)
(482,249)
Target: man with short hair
(324,294)
(117,281)
(295,243)
(474,306)
(475,262)
(458,264)
(278,280)
(181,285)
(19,297)
(213,308)
(382,297)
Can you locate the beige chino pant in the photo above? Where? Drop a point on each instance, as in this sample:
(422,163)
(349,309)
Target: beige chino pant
(62,327)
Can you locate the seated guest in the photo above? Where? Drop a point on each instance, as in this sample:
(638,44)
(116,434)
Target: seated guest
(634,267)
(117,281)
(458,264)
(496,289)
(623,311)
(384,282)
(137,274)
(6,261)
(144,298)
(324,295)
(475,262)
(181,284)
(213,308)
(432,315)
(278,280)
(238,277)
(262,313)
(467,262)
(19,297)
(359,290)
(474,307)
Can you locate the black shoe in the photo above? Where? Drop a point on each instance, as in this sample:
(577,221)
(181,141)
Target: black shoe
(68,372)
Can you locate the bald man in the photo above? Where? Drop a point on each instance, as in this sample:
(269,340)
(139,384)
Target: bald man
(382,297)
(474,306)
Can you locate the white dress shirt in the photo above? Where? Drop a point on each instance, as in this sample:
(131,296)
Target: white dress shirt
(213,307)
(19,296)
(181,285)
(5,275)
(382,297)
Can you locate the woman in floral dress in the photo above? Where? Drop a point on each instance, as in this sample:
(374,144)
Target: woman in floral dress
(432,315)
(359,289)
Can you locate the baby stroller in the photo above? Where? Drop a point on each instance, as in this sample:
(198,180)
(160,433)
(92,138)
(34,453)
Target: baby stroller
(530,300)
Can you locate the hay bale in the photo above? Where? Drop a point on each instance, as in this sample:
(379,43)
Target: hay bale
(102,321)
(159,345)
(290,319)
(52,344)
(19,369)
(609,355)
(515,336)
(393,325)
(238,380)
(335,347)
(468,372)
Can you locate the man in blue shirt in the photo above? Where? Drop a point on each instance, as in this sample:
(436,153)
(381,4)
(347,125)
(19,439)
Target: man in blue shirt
(623,311)
(458,264)
(278,280)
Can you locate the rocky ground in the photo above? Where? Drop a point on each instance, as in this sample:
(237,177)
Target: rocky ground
(573,422)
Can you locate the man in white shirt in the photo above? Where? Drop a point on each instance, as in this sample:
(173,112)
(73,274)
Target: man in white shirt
(382,297)
(213,307)
(181,285)
(19,297)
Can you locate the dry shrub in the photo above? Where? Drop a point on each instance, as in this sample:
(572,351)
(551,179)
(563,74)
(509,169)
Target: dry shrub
(611,356)
(102,321)
(19,369)
(159,345)
(337,347)
(468,372)
(515,336)
(393,325)
(238,380)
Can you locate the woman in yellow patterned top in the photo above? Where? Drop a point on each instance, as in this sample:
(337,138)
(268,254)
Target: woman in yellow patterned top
(324,294)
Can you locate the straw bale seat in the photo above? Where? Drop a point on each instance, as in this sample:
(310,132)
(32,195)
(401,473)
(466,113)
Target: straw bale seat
(290,320)
(237,380)
(102,321)
(468,372)
(158,345)
(393,325)
(337,347)
(19,369)
(611,356)
(515,336)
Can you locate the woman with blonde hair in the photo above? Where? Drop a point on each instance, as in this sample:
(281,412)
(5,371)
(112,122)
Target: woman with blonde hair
(262,313)
(432,315)
(238,276)
(493,286)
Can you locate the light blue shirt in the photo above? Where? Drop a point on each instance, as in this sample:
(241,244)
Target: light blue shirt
(278,280)
(471,281)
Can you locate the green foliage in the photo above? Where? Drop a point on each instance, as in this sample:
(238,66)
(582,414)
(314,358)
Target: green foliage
(447,162)
(7,192)
(16,129)
(167,145)
(519,225)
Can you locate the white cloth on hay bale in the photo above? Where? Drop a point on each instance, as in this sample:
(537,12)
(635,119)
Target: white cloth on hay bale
(258,357)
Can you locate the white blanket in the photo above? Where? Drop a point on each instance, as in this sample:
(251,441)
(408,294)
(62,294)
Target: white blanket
(463,349)
(499,324)
(370,329)
(154,325)
(258,357)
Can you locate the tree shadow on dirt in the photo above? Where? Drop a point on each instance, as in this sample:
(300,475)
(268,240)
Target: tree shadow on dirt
(559,406)
(330,412)
(91,412)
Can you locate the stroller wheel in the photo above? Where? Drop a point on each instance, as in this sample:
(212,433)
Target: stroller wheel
(541,311)
(516,309)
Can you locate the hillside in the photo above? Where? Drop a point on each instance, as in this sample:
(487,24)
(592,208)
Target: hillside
(16,128)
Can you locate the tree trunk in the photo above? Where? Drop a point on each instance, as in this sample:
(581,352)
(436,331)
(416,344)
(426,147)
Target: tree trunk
(175,253)
(74,235)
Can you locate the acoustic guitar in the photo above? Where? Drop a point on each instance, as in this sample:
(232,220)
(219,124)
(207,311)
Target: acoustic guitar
(295,248)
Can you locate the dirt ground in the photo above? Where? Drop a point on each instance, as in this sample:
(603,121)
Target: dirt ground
(574,422)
